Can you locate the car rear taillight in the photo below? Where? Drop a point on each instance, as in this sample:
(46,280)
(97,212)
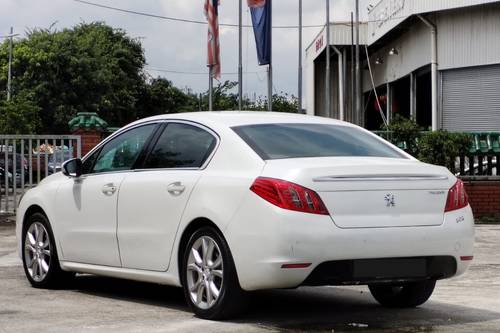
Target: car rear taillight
(457,197)
(289,196)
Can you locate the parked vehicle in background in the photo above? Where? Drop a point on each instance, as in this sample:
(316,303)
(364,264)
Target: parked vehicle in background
(4,173)
(21,169)
(221,203)
(57,158)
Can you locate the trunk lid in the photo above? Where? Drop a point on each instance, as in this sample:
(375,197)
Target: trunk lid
(371,192)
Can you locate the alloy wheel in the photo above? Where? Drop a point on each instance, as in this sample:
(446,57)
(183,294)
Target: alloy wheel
(204,273)
(37,251)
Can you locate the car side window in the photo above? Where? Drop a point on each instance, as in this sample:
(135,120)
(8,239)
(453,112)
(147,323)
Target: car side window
(181,146)
(120,153)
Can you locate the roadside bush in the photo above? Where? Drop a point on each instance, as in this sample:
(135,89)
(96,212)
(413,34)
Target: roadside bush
(405,131)
(442,147)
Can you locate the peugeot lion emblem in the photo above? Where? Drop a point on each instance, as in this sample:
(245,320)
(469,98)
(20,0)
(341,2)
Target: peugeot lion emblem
(390,200)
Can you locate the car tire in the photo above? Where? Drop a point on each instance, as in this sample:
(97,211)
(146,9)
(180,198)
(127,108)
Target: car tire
(407,295)
(209,276)
(39,254)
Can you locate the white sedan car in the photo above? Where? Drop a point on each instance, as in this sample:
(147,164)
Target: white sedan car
(228,202)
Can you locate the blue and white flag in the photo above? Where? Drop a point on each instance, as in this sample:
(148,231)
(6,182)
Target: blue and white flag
(261,11)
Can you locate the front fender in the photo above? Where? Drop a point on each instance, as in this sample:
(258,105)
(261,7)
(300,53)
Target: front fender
(41,196)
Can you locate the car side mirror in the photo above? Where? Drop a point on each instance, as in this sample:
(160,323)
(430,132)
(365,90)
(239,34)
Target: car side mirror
(73,168)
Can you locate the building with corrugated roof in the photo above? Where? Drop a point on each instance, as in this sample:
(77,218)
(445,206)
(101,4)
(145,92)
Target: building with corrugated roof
(437,61)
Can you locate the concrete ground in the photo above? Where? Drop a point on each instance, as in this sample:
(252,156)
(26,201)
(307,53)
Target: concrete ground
(93,304)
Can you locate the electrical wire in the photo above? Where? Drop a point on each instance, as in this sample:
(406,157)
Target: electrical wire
(375,89)
(231,25)
(163,70)
(176,19)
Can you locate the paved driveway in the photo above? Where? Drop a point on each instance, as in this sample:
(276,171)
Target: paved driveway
(93,304)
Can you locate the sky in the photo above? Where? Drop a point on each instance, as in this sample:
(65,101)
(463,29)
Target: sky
(174,46)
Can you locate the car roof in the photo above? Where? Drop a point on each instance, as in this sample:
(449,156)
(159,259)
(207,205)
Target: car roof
(242,118)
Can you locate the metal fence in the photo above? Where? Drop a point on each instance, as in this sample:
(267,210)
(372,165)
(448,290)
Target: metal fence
(478,165)
(26,159)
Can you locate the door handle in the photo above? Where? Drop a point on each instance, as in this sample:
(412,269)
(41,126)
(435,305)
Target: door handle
(109,189)
(176,189)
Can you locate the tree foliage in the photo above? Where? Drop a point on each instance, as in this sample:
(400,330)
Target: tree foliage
(160,96)
(442,147)
(439,147)
(89,68)
(407,131)
(19,116)
(93,67)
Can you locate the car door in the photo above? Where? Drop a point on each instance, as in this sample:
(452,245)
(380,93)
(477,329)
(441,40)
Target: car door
(152,199)
(86,206)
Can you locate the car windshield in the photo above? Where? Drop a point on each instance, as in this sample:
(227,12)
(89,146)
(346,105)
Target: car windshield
(281,141)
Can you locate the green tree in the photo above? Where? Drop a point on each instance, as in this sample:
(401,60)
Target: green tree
(88,68)
(281,103)
(285,103)
(93,67)
(160,96)
(19,116)
(223,98)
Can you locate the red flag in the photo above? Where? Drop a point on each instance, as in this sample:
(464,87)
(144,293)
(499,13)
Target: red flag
(212,14)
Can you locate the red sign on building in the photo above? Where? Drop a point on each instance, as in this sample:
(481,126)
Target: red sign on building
(319,43)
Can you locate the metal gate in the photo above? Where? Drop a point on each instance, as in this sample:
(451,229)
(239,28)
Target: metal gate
(26,159)
(471,99)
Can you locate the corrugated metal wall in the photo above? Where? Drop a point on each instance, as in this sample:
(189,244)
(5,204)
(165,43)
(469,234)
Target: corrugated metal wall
(340,33)
(471,99)
(466,37)
(469,37)
(387,14)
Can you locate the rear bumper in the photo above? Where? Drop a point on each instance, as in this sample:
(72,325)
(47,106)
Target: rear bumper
(369,271)
(263,238)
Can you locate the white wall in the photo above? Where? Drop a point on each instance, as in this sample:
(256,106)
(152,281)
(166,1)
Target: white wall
(414,48)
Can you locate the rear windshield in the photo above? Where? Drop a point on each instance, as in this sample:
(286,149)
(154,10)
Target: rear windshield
(280,141)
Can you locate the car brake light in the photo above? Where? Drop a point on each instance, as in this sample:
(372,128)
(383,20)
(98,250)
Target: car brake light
(457,197)
(289,196)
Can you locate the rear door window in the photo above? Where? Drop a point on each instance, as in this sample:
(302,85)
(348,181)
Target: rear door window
(181,146)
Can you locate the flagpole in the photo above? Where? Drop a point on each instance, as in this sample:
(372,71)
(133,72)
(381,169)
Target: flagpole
(328,71)
(240,55)
(359,116)
(353,81)
(9,77)
(300,58)
(270,69)
(210,88)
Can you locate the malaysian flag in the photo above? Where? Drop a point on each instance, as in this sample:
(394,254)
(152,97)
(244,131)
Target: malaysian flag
(261,11)
(212,14)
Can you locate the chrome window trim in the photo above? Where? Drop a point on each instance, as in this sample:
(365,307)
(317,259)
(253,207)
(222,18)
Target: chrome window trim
(162,121)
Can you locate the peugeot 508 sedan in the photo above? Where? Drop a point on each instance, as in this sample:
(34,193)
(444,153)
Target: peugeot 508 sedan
(226,202)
